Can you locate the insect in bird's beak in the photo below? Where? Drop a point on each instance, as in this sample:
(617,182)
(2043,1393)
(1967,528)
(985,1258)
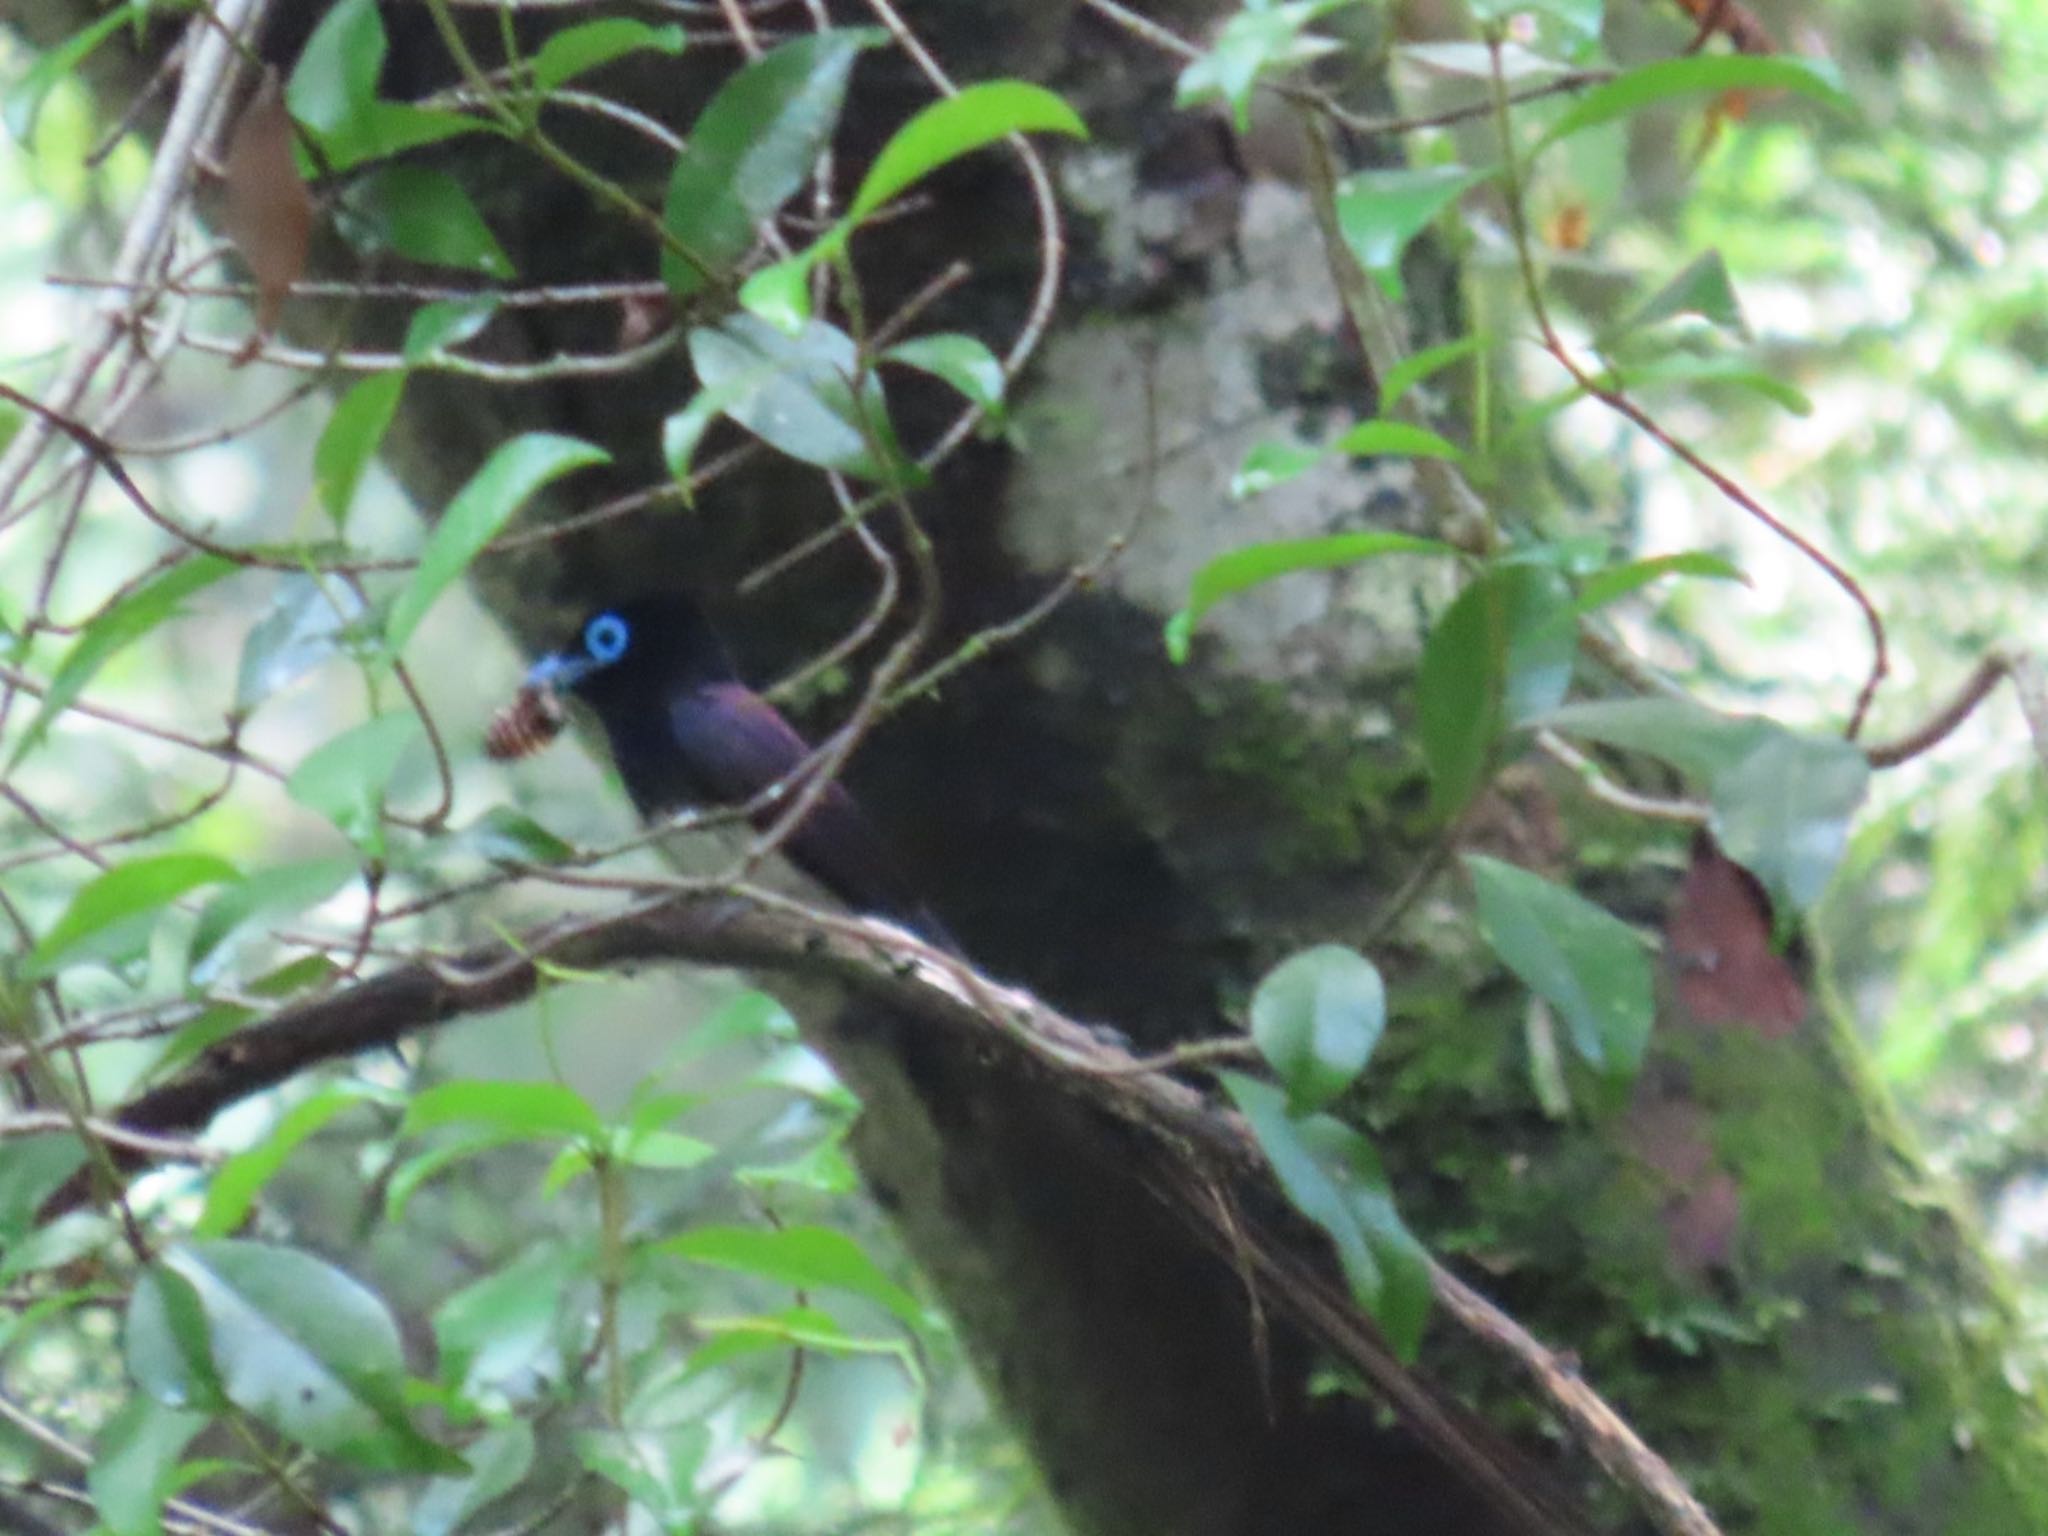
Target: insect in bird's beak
(533,719)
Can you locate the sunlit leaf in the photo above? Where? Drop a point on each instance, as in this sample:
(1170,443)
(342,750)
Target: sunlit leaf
(135,1463)
(354,432)
(1267,465)
(304,626)
(1332,1176)
(1395,439)
(806,1257)
(232,1190)
(1254,44)
(958,125)
(120,626)
(1412,370)
(1380,212)
(1604,586)
(1700,73)
(104,906)
(964,362)
(264,895)
(445,324)
(1583,961)
(575,50)
(483,506)
(1782,801)
(533,1109)
(1316,1018)
(503,1330)
(345,778)
(296,1344)
(1241,569)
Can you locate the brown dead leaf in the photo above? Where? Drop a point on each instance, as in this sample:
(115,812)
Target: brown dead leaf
(268,211)
(1718,945)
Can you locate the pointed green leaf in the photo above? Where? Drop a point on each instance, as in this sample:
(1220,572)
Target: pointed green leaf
(118,627)
(426,216)
(808,1258)
(534,1109)
(797,393)
(1586,963)
(264,895)
(1257,43)
(104,906)
(306,1350)
(445,324)
(134,1467)
(1698,73)
(354,432)
(1604,586)
(1411,371)
(304,626)
(345,778)
(1703,288)
(958,125)
(1380,212)
(234,1186)
(751,148)
(1396,439)
(576,50)
(480,509)
(1333,1177)
(1241,569)
(964,362)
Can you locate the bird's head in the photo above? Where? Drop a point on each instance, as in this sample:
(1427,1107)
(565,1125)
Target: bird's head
(635,651)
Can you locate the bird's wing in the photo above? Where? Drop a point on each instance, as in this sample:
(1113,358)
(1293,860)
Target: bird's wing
(735,745)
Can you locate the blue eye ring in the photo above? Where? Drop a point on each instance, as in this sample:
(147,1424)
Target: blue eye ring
(605,637)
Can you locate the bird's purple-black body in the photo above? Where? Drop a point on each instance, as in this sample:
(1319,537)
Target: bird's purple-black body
(685,731)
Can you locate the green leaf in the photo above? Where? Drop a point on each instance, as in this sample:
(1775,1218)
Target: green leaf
(1411,371)
(354,432)
(507,1328)
(1687,368)
(134,1468)
(1316,1018)
(1586,963)
(808,1258)
(104,906)
(503,833)
(232,1191)
(305,625)
(957,125)
(1382,439)
(1782,801)
(333,93)
(25,97)
(1501,654)
(941,132)
(304,1349)
(514,471)
(444,324)
(536,1110)
(751,148)
(1696,73)
(1258,42)
(1603,587)
(1379,212)
(576,50)
(791,1328)
(32,1169)
(264,895)
(1333,1177)
(345,778)
(1703,288)
(119,626)
(1267,465)
(499,1460)
(797,394)
(426,216)
(964,362)
(1242,569)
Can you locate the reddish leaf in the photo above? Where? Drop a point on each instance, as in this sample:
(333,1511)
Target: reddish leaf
(269,212)
(1718,944)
